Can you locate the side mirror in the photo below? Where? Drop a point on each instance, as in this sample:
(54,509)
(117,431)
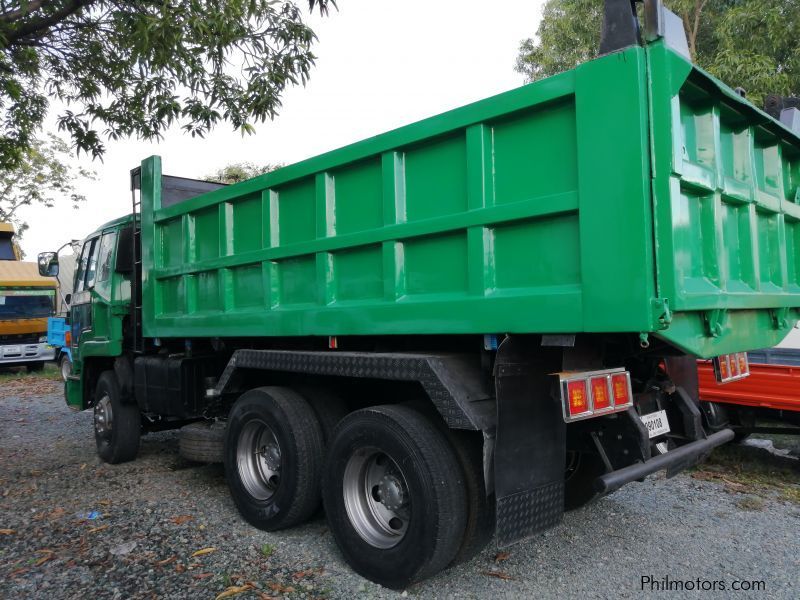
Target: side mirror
(68,299)
(48,264)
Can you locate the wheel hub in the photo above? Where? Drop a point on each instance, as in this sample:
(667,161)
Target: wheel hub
(258,459)
(103,417)
(271,455)
(376,498)
(390,491)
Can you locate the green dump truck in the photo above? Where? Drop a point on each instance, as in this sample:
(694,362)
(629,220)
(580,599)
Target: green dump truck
(461,328)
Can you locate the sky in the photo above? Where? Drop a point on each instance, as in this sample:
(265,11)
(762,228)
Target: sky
(381,64)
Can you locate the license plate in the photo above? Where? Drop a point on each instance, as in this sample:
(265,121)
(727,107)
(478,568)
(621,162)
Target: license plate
(656,423)
(13,350)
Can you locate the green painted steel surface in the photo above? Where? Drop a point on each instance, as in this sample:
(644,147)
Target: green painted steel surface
(631,194)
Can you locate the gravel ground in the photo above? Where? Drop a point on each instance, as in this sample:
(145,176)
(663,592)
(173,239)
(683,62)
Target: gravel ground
(71,527)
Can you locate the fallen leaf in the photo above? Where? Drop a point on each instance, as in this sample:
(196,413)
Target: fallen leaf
(179,568)
(44,559)
(306,573)
(8,531)
(502,556)
(19,571)
(233,590)
(204,551)
(166,561)
(105,502)
(96,529)
(202,575)
(83,466)
(281,589)
(499,575)
(181,519)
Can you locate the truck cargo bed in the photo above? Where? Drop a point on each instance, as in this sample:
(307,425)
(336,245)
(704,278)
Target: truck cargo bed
(631,194)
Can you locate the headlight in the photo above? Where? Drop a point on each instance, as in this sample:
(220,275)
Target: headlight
(43,339)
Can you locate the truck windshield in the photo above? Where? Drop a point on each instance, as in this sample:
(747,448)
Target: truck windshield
(26,304)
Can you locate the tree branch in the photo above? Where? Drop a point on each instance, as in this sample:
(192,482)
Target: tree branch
(22,11)
(46,21)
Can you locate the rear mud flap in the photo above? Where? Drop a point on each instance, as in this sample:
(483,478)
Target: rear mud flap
(530,446)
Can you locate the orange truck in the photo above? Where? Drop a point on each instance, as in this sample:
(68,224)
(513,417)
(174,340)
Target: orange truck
(771,392)
(26,301)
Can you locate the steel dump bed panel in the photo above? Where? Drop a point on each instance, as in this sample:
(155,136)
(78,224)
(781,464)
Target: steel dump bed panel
(554,208)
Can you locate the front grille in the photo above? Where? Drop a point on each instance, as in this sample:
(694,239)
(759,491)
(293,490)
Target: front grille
(21,338)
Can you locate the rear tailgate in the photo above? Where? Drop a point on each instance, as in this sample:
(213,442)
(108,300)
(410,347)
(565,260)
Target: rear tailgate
(726,211)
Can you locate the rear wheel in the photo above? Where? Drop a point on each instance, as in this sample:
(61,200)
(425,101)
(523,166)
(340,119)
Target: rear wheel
(394,495)
(480,525)
(273,457)
(117,425)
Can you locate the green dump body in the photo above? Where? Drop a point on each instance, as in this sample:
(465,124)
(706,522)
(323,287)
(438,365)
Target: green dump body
(634,193)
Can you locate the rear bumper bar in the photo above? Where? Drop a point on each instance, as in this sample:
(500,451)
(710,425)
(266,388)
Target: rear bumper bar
(678,459)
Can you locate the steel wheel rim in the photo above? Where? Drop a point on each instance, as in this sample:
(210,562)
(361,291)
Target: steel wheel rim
(376,498)
(104,417)
(66,369)
(258,458)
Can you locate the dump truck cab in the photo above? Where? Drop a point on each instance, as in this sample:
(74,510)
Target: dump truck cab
(26,301)
(98,305)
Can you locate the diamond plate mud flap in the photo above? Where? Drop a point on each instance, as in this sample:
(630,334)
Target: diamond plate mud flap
(530,446)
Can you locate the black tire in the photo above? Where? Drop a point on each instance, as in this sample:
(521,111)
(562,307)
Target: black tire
(329,408)
(481,520)
(291,493)
(581,470)
(36,367)
(433,481)
(117,425)
(202,442)
(65,366)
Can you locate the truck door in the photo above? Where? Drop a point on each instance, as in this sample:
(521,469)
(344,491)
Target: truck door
(81,305)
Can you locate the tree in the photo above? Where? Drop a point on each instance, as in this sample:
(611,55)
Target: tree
(754,44)
(236,172)
(43,176)
(133,68)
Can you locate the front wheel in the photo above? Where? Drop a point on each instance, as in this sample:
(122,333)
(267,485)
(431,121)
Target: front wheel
(117,425)
(65,366)
(273,457)
(394,495)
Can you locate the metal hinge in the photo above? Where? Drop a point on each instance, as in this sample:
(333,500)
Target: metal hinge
(662,311)
(714,320)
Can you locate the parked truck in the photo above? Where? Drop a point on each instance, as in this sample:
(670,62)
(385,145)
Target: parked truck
(768,401)
(460,328)
(26,301)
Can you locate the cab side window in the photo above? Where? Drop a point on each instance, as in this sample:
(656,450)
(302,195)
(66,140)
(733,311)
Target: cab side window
(83,264)
(104,265)
(91,270)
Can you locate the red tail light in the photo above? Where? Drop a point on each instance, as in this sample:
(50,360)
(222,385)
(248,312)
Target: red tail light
(68,339)
(730,367)
(578,398)
(621,386)
(594,393)
(601,399)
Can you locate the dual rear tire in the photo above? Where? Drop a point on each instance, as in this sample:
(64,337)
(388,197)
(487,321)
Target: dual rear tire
(395,490)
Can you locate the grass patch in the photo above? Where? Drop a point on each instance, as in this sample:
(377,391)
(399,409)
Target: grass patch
(267,550)
(750,503)
(12,374)
(749,470)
